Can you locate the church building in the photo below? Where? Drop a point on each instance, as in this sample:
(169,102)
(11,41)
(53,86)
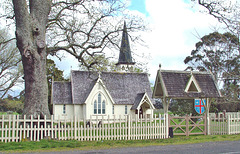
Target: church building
(105,94)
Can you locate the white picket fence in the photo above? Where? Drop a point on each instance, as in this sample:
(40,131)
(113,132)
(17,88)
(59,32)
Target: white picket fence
(15,129)
(224,123)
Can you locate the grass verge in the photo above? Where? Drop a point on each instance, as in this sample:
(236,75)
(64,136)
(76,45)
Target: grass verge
(55,145)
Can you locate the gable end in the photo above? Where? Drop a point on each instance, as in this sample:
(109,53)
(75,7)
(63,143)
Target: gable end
(192,85)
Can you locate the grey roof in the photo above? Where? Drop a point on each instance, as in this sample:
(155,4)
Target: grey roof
(174,84)
(61,93)
(137,101)
(125,56)
(124,88)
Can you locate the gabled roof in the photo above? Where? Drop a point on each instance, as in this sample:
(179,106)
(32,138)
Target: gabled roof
(125,56)
(174,84)
(140,99)
(61,92)
(124,88)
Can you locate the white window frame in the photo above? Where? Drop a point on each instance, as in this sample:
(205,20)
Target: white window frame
(64,108)
(125,109)
(99,105)
(113,109)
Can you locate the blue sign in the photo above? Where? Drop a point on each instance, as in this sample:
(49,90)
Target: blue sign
(199,105)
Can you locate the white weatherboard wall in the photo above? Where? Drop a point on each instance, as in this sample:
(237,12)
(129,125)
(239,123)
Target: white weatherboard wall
(78,111)
(98,89)
(58,111)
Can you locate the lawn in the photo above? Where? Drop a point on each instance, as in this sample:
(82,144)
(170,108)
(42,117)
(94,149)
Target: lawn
(56,145)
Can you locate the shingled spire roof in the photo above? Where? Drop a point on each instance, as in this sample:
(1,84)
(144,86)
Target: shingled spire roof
(125,56)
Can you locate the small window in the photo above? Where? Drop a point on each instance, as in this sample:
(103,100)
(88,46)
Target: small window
(125,109)
(64,109)
(113,109)
(103,107)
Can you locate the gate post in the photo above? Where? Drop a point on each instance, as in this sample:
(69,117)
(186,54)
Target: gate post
(228,124)
(187,125)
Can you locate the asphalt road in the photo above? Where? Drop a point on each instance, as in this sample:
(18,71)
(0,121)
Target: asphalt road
(226,147)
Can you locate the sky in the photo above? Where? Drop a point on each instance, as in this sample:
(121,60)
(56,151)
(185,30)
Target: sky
(176,25)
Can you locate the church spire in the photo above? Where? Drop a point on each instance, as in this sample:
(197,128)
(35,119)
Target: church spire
(125,56)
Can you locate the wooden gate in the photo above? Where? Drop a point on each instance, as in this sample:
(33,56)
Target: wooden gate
(188,125)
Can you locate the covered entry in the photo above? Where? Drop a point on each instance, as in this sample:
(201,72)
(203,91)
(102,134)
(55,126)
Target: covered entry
(143,106)
(170,84)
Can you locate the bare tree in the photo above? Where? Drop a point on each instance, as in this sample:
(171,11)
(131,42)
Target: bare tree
(226,11)
(10,63)
(77,27)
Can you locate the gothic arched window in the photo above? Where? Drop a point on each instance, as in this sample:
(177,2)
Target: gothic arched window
(99,105)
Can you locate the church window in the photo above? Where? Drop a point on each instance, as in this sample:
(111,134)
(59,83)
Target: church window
(99,106)
(64,109)
(99,103)
(125,109)
(103,107)
(95,107)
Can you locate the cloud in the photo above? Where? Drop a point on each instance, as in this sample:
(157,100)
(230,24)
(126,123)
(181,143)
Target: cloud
(175,25)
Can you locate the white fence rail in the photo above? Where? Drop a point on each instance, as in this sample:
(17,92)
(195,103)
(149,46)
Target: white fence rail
(224,123)
(15,129)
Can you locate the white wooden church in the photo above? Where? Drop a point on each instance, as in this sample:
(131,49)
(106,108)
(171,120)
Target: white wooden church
(92,94)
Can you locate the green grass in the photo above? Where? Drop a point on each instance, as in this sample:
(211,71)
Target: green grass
(5,113)
(55,145)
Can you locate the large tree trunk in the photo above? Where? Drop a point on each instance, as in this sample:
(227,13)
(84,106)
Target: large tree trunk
(30,34)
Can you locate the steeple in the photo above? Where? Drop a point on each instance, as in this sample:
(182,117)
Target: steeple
(125,62)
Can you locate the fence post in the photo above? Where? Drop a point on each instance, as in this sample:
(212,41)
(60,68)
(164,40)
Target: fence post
(166,124)
(129,127)
(228,124)
(208,123)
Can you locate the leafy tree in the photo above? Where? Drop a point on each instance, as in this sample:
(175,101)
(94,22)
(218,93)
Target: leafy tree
(98,63)
(102,63)
(53,73)
(11,104)
(218,53)
(10,63)
(78,27)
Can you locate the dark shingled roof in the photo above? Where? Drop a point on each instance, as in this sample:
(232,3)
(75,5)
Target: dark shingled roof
(175,83)
(61,93)
(124,88)
(137,101)
(125,56)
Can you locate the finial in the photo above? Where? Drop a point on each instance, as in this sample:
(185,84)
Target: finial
(99,74)
(159,66)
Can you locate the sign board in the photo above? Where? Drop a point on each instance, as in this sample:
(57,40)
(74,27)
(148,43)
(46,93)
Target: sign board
(199,105)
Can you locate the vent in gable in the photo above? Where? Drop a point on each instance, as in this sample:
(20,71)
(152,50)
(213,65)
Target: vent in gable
(192,85)
(192,88)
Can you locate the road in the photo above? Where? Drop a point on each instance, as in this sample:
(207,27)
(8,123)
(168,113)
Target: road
(226,147)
